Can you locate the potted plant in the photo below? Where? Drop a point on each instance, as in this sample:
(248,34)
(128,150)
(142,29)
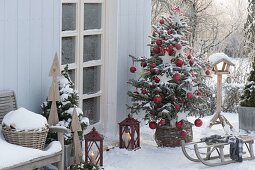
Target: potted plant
(68,101)
(171,85)
(246,110)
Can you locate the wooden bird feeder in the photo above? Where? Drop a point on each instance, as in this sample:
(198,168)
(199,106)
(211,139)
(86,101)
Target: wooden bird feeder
(94,147)
(129,133)
(220,65)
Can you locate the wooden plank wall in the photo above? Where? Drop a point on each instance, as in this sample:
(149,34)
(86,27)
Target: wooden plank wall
(134,27)
(30,36)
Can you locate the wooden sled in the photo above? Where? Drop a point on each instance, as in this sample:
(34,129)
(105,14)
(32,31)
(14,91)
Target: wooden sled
(221,158)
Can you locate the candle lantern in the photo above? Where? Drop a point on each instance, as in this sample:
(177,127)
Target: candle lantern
(129,133)
(94,147)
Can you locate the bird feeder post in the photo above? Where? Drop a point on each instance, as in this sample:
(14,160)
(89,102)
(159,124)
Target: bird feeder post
(221,64)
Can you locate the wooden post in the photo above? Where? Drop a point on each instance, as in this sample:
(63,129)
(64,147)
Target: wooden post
(76,126)
(217,115)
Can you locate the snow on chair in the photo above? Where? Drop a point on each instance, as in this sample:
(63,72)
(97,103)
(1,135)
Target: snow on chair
(17,157)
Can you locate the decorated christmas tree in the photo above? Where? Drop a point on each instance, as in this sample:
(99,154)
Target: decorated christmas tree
(171,82)
(68,101)
(248,96)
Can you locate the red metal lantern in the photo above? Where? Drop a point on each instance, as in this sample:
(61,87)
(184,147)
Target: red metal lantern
(129,133)
(94,147)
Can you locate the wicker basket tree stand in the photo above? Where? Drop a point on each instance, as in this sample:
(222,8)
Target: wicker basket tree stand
(166,136)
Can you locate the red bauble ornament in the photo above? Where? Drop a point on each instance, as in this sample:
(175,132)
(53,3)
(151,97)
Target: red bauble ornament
(170,49)
(162,122)
(177,107)
(132,69)
(169,32)
(143,64)
(144,91)
(161,21)
(183,134)
(179,62)
(177,77)
(178,46)
(189,95)
(189,57)
(179,124)
(153,65)
(198,122)
(156,50)
(156,79)
(157,99)
(153,125)
(159,42)
(191,62)
(207,72)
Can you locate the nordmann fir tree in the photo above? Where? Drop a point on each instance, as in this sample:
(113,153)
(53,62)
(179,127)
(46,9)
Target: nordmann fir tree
(171,85)
(68,101)
(248,96)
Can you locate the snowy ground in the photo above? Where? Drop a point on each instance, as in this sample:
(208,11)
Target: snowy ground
(150,157)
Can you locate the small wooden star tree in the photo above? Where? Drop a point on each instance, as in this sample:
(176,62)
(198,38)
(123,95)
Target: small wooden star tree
(54,91)
(76,126)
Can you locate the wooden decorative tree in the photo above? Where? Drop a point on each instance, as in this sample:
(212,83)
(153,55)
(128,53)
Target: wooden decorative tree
(54,91)
(76,126)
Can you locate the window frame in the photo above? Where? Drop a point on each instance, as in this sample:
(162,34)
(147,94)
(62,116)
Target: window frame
(79,65)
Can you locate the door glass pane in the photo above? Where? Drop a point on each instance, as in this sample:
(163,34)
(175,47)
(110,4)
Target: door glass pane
(92,16)
(68,16)
(68,50)
(91,109)
(72,75)
(91,80)
(91,47)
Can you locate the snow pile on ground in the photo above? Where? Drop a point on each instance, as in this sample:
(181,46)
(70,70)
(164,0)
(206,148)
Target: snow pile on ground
(23,119)
(14,154)
(150,157)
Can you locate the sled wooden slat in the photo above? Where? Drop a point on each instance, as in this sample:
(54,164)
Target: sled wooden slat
(223,158)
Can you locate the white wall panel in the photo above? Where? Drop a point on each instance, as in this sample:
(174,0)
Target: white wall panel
(47,40)
(23,48)
(35,53)
(134,27)
(2,26)
(30,36)
(10,45)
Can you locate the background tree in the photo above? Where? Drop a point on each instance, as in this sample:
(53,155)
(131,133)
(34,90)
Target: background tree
(248,96)
(250,29)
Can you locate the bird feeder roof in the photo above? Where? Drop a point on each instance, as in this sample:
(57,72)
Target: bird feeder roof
(216,58)
(129,121)
(93,135)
